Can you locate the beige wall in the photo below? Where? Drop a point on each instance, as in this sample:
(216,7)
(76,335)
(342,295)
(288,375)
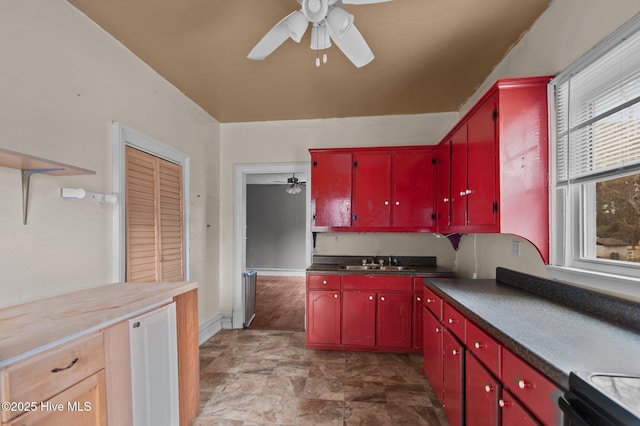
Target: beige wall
(567,30)
(63,81)
(289,142)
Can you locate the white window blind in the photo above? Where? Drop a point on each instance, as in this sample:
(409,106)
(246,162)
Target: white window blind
(598,115)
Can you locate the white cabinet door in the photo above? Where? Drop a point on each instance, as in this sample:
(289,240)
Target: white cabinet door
(154,367)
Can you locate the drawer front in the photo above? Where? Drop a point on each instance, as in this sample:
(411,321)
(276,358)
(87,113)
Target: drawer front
(483,347)
(376,282)
(433,302)
(534,390)
(323,282)
(454,321)
(44,375)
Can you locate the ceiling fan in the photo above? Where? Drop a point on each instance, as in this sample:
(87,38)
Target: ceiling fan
(294,185)
(329,22)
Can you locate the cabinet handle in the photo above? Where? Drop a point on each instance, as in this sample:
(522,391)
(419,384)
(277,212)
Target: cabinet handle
(467,192)
(477,345)
(454,352)
(462,193)
(523,385)
(382,298)
(502,403)
(324,282)
(418,298)
(136,324)
(58,369)
(386,203)
(445,200)
(397,203)
(430,300)
(488,388)
(437,330)
(335,296)
(451,321)
(370,297)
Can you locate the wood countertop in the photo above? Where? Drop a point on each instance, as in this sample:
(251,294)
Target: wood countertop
(35,326)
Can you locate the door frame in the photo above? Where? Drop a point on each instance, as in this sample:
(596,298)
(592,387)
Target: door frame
(122,137)
(240,173)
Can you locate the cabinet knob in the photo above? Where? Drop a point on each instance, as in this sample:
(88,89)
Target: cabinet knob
(477,345)
(437,330)
(136,324)
(523,385)
(451,321)
(445,200)
(335,296)
(502,403)
(370,297)
(462,193)
(488,388)
(454,352)
(386,203)
(467,192)
(397,203)
(418,298)
(324,282)
(382,298)
(430,300)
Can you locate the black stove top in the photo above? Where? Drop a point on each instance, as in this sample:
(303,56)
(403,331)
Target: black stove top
(615,396)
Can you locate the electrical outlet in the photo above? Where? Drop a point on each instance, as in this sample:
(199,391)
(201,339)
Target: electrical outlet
(515,248)
(475,275)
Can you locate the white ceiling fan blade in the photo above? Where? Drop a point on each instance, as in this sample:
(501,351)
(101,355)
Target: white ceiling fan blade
(353,45)
(291,26)
(364,1)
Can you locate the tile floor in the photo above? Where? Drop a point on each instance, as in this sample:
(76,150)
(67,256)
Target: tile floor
(265,377)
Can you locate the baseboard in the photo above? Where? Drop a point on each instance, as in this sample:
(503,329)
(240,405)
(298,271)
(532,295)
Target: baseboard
(211,327)
(280,272)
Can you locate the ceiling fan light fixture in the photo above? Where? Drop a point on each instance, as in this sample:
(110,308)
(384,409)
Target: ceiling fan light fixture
(315,10)
(339,20)
(296,25)
(320,38)
(294,189)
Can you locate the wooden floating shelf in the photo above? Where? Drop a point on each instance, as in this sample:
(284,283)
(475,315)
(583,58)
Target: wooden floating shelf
(30,165)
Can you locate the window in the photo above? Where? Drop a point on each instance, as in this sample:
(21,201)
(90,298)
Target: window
(595,154)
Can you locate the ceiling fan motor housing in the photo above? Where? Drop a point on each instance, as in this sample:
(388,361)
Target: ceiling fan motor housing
(315,10)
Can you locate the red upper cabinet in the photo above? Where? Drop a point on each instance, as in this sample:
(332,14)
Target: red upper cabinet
(413,198)
(331,189)
(498,162)
(371,189)
(443,185)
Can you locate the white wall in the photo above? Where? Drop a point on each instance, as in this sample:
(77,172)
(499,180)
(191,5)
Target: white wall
(289,142)
(63,80)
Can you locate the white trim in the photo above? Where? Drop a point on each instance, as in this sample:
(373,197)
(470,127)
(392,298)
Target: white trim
(240,172)
(209,328)
(616,285)
(126,136)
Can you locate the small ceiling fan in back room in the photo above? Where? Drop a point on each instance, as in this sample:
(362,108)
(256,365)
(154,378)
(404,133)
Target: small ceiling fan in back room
(294,185)
(329,21)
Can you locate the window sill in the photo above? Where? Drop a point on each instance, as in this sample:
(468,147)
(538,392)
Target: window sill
(614,285)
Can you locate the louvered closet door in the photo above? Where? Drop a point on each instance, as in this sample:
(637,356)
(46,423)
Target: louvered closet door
(153,218)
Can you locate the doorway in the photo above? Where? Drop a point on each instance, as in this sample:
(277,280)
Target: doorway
(245,175)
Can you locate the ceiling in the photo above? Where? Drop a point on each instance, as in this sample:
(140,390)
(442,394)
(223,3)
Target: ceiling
(431,55)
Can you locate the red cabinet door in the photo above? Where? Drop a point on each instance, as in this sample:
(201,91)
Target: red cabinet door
(359,318)
(331,189)
(432,351)
(514,414)
(453,368)
(458,199)
(413,188)
(443,186)
(323,317)
(417,334)
(372,189)
(482,392)
(394,319)
(482,208)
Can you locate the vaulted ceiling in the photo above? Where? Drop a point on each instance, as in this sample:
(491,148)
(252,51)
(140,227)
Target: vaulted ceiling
(430,55)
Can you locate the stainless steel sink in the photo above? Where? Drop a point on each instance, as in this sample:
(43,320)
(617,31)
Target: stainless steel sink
(375,268)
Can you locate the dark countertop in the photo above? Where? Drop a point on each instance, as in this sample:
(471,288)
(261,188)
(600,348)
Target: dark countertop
(424,266)
(553,337)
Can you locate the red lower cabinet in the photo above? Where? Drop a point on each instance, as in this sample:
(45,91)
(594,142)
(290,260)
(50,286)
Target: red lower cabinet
(394,320)
(453,374)
(482,392)
(416,344)
(359,318)
(323,317)
(514,414)
(432,332)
